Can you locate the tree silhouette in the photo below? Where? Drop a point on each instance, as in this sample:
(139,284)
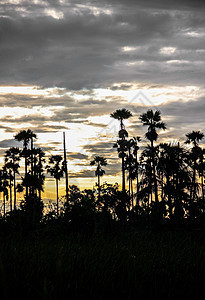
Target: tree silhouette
(99,161)
(56,170)
(39,171)
(175,178)
(153,121)
(12,158)
(132,165)
(4,183)
(26,136)
(194,138)
(122,114)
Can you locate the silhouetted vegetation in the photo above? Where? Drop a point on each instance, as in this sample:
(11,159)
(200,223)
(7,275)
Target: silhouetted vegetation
(146,241)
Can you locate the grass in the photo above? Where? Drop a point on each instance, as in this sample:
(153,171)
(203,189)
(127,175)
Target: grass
(128,264)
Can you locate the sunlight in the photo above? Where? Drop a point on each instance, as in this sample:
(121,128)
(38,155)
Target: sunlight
(128,48)
(30,90)
(54,13)
(156,95)
(167,50)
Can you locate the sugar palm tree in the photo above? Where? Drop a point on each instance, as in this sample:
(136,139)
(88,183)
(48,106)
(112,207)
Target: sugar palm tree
(12,158)
(55,168)
(99,161)
(38,169)
(122,114)
(176,177)
(4,183)
(153,121)
(132,164)
(25,136)
(194,138)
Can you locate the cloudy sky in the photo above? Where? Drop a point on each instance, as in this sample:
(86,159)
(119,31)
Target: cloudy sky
(66,65)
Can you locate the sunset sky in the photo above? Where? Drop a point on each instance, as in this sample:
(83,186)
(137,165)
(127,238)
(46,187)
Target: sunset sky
(66,65)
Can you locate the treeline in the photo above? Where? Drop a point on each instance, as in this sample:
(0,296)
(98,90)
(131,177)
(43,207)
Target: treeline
(165,182)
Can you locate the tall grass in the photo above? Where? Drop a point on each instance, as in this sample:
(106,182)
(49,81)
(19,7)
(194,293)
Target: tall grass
(129,265)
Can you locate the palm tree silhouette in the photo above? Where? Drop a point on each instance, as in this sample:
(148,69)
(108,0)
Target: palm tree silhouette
(12,157)
(38,169)
(99,161)
(56,170)
(25,136)
(4,183)
(132,164)
(194,138)
(153,121)
(122,114)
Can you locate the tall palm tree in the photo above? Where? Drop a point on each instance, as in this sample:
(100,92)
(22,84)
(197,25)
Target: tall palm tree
(194,138)
(56,170)
(26,136)
(39,170)
(173,165)
(4,176)
(12,158)
(133,144)
(36,175)
(122,114)
(99,161)
(153,121)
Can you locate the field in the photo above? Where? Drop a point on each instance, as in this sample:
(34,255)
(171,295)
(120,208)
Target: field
(131,264)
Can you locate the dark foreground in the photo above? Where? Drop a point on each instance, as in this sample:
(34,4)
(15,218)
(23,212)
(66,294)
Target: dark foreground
(130,264)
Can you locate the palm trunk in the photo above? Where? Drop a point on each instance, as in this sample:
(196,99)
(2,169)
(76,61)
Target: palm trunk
(169,198)
(130,180)
(65,166)
(10,189)
(194,182)
(154,174)
(4,199)
(123,172)
(39,176)
(98,183)
(132,196)
(14,190)
(32,168)
(202,179)
(57,195)
(26,171)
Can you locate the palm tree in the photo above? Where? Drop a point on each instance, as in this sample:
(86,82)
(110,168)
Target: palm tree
(175,177)
(39,170)
(194,138)
(153,121)
(4,186)
(36,175)
(99,161)
(56,170)
(12,157)
(122,114)
(26,136)
(132,163)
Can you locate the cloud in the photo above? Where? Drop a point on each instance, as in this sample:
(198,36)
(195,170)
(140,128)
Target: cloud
(78,156)
(7,143)
(84,48)
(114,45)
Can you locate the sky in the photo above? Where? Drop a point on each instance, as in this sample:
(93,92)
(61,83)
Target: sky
(65,66)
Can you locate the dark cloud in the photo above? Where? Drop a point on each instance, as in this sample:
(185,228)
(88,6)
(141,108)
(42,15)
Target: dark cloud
(7,143)
(84,47)
(100,148)
(78,156)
